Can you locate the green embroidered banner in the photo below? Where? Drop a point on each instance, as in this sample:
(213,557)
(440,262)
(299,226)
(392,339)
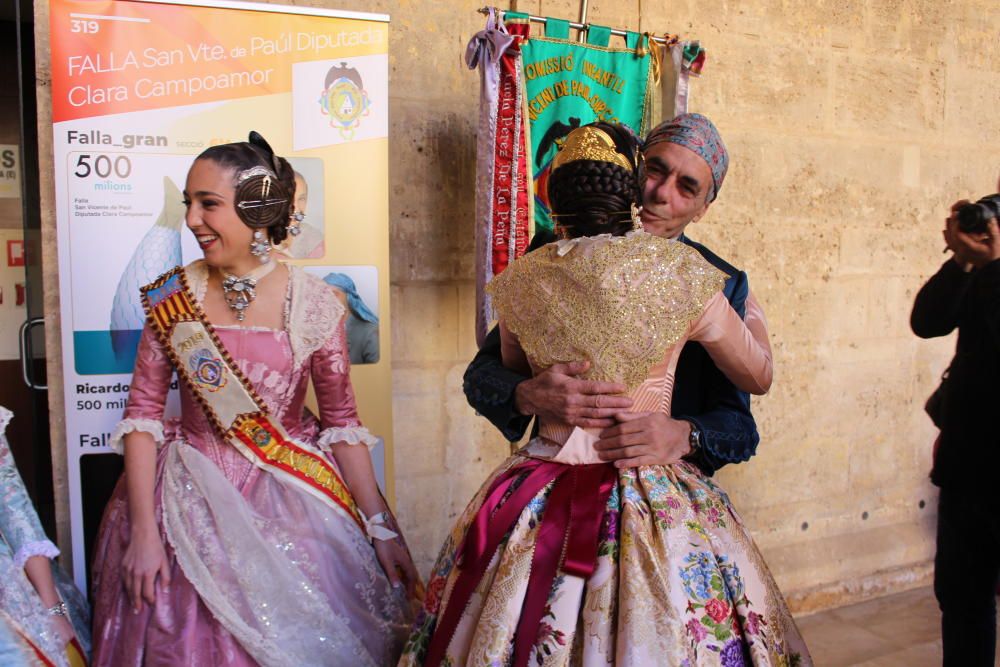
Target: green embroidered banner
(569,84)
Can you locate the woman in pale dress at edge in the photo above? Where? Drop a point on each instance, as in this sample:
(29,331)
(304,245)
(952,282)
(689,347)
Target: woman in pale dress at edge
(44,619)
(562,559)
(247,533)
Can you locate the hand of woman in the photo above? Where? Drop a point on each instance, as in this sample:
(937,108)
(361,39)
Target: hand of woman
(64,629)
(395,560)
(145,558)
(39,572)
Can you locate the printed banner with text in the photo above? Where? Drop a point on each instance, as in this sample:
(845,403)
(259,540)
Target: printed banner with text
(533,91)
(568,84)
(138,90)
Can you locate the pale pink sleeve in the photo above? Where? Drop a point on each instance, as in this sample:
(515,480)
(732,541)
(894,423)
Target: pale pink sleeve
(148,395)
(338,412)
(740,349)
(757,323)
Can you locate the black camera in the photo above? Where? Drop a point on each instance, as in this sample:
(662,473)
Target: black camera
(973,218)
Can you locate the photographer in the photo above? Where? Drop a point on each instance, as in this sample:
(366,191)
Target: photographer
(965,294)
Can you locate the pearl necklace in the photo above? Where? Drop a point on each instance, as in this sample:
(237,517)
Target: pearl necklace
(239,292)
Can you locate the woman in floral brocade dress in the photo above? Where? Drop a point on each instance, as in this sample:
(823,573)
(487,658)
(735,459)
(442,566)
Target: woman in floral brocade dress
(562,559)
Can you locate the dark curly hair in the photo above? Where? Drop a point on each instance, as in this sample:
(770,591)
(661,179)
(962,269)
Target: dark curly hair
(590,197)
(256,152)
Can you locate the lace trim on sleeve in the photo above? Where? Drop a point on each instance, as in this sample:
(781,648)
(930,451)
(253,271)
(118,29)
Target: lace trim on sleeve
(5,417)
(37,548)
(352,435)
(315,313)
(151,426)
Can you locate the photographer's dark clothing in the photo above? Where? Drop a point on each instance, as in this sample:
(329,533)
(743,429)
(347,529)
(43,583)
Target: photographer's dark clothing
(970,437)
(967,563)
(703,394)
(966,567)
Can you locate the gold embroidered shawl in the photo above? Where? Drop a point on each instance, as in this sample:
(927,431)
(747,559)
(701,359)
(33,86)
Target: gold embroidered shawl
(619,302)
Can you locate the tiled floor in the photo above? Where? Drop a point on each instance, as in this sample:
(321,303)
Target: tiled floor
(901,630)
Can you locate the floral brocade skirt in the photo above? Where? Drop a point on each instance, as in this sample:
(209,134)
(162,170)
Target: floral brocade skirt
(678,581)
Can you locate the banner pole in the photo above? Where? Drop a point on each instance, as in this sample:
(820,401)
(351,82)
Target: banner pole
(668,40)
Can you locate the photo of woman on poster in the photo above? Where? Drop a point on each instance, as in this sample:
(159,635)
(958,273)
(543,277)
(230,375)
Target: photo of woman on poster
(362,323)
(306,240)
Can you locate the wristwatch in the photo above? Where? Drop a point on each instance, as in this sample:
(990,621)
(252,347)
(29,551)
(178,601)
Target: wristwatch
(694,440)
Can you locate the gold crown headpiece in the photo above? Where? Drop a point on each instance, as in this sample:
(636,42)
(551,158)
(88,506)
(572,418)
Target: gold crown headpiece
(590,143)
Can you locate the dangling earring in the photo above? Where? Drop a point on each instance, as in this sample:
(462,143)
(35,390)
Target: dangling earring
(260,247)
(297,218)
(636,217)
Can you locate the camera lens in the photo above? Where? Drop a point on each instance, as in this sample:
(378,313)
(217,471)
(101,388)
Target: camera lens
(973,218)
(970,219)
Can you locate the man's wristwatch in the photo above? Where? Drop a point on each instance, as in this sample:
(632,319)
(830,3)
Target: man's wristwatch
(694,440)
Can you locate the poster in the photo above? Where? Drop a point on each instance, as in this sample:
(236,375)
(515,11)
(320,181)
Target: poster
(140,88)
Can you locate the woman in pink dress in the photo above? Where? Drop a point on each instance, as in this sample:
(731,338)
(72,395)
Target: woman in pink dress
(274,549)
(562,558)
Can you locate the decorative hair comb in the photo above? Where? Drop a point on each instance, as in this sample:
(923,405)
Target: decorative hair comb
(589,143)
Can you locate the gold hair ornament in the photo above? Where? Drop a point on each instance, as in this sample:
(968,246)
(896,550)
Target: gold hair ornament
(590,143)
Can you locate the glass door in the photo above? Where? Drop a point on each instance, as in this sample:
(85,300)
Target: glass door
(22,331)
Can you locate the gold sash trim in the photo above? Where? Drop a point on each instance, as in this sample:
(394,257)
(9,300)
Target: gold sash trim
(228,399)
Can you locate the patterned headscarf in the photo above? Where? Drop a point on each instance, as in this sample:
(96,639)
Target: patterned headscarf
(697,133)
(354,300)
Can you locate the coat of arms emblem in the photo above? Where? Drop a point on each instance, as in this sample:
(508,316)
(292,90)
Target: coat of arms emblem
(344,99)
(207,370)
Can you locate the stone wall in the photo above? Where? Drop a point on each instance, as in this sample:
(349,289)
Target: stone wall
(852,126)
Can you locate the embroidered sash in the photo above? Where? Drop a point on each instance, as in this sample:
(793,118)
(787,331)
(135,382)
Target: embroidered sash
(228,399)
(503,202)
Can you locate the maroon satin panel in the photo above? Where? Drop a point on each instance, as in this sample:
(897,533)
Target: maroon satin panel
(567,540)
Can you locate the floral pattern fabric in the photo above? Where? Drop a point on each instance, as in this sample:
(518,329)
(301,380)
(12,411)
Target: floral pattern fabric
(678,581)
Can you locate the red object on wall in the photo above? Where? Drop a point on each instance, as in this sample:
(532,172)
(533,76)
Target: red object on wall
(15,253)
(19,301)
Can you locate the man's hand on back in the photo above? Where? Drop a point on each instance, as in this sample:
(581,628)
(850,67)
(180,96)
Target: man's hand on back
(557,394)
(643,439)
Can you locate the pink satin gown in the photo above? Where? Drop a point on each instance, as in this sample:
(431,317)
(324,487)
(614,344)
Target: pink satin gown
(261,572)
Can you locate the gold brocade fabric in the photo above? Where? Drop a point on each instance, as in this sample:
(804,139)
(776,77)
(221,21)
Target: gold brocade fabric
(619,302)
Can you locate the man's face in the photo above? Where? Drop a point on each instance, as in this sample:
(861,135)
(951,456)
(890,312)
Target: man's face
(676,189)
